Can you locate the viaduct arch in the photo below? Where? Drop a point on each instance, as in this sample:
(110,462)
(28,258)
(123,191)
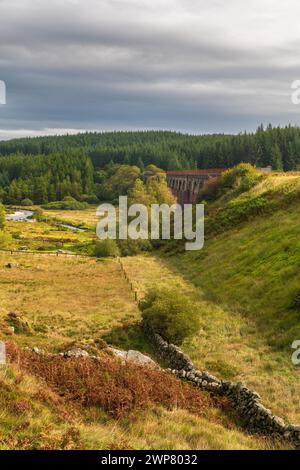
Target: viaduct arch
(186,185)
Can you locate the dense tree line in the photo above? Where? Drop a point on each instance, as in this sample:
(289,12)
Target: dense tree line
(276,146)
(49,168)
(42,178)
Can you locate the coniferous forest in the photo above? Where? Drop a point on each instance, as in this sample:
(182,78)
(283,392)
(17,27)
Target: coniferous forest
(45,169)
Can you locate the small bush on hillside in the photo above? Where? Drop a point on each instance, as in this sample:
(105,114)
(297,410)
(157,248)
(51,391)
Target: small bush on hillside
(133,247)
(106,248)
(170,314)
(240,178)
(26,202)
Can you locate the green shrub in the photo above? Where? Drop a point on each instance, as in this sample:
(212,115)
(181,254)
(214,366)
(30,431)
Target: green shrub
(240,178)
(133,247)
(68,203)
(170,314)
(89,198)
(105,248)
(236,212)
(26,202)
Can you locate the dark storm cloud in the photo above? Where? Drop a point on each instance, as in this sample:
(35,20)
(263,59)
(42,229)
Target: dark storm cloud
(176,64)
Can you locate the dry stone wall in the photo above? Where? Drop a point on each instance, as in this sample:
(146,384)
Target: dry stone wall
(247,403)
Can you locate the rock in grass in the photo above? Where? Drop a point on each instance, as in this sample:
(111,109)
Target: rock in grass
(75,352)
(139,358)
(133,356)
(36,350)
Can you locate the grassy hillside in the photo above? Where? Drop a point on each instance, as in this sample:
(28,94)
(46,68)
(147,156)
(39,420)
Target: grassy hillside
(253,263)
(229,343)
(255,269)
(246,284)
(33,416)
(63,302)
(248,196)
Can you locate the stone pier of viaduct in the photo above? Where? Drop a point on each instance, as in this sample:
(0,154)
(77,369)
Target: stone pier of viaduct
(186,185)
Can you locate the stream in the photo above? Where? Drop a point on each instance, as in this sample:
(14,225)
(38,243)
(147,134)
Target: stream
(23,215)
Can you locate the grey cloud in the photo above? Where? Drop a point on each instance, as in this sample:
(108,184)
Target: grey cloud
(128,64)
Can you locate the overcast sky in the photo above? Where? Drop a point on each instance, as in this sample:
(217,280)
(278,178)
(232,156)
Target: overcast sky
(190,65)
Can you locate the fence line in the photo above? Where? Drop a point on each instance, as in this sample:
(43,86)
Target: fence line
(49,253)
(134,290)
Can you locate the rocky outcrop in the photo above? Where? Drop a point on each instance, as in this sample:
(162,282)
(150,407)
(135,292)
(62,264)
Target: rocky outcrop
(134,356)
(126,356)
(247,403)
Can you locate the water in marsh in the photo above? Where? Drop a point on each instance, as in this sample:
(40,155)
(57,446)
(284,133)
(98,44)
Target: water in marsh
(21,215)
(72,227)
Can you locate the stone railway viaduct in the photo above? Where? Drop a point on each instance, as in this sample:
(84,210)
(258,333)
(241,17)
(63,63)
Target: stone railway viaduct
(186,185)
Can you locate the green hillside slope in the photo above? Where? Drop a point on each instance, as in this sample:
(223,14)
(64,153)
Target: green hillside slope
(253,264)
(38,412)
(245,283)
(248,275)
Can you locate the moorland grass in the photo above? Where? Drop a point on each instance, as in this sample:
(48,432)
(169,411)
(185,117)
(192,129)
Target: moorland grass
(35,417)
(71,302)
(244,283)
(229,342)
(65,300)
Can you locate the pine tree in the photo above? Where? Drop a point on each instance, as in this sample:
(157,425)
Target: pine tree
(276,158)
(290,161)
(140,164)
